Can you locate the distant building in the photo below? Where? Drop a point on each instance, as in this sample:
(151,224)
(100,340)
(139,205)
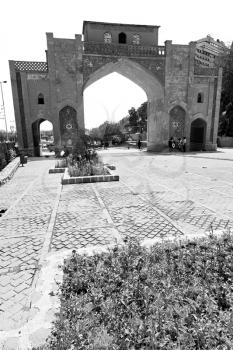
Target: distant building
(209,51)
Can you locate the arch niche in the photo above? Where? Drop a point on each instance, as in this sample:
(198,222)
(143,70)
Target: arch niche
(177,122)
(198,135)
(68,126)
(157,133)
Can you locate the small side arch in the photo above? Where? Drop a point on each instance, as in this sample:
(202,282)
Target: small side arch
(40,99)
(122,38)
(177,103)
(37,135)
(198,134)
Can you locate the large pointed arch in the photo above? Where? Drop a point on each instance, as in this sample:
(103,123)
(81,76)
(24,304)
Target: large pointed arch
(133,71)
(157,133)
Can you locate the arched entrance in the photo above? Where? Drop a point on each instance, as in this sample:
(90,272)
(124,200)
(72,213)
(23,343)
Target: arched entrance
(177,122)
(157,133)
(117,96)
(197,135)
(43,138)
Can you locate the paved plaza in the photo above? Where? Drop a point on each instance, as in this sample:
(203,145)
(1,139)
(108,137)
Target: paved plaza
(158,195)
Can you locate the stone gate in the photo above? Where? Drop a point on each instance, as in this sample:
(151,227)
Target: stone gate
(183,98)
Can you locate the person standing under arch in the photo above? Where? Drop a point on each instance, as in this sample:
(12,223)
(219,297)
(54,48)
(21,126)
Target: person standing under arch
(139,144)
(184,144)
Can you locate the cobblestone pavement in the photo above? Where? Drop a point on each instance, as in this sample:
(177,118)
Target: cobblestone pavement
(29,198)
(193,190)
(157,196)
(82,219)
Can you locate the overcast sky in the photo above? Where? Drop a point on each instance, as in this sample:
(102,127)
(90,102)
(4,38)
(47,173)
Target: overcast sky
(23,24)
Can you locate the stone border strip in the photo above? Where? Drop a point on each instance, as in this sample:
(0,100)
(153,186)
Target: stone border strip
(67,179)
(7,173)
(57,170)
(106,213)
(62,170)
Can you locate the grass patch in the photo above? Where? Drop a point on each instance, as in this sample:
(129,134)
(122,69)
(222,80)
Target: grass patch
(168,296)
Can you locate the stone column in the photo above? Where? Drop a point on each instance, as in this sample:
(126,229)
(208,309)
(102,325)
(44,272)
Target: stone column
(79,80)
(27,111)
(16,104)
(190,84)
(52,89)
(217,108)
(211,103)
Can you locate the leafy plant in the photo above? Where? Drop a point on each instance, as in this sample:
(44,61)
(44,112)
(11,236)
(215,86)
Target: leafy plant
(170,296)
(87,165)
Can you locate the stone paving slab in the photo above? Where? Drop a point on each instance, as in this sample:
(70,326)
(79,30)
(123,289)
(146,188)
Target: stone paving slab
(80,219)
(24,226)
(18,252)
(14,298)
(74,238)
(26,210)
(29,199)
(78,204)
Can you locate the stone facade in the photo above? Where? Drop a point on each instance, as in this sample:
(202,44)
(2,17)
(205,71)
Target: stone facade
(183,99)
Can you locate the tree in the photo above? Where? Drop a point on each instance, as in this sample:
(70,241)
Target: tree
(137,119)
(142,113)
(226,104)
(105,131)
(133,119)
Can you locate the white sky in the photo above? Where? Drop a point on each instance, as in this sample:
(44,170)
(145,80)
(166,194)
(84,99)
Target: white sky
(23,24)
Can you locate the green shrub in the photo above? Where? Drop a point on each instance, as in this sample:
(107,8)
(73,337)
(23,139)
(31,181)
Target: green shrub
(171,296)
(88,165)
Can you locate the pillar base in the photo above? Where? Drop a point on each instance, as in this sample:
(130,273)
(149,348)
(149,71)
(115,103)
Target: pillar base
(211,146)
(156,147)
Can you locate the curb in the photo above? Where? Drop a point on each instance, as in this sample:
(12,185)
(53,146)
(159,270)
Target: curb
(67,179)
(7,173)
(57,170)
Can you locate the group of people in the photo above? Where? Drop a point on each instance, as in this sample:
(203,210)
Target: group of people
(179,144)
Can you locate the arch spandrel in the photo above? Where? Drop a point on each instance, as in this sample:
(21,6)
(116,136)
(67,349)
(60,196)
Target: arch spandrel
(134,72)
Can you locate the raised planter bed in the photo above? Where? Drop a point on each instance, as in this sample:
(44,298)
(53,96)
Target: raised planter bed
(67,179)
(57,170)
(7,173)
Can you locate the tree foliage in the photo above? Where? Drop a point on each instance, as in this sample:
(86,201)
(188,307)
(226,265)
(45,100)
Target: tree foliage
(106,131)
(135,121)
(226,104)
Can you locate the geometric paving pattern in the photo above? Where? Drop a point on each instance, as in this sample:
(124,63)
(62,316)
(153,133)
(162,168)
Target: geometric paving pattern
(152,199)
(14,298)
(19,253)
(29,199)
(80,238)
(11,227)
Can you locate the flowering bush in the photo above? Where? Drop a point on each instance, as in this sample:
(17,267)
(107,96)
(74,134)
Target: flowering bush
(87,165)
(170,296)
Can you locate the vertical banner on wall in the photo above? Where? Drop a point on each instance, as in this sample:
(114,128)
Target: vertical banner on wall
(68,126)
(177,122)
